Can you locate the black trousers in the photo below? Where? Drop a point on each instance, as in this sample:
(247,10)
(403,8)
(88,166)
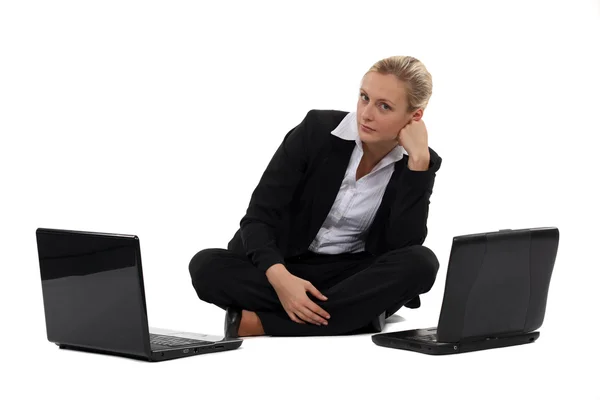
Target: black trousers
(359,286)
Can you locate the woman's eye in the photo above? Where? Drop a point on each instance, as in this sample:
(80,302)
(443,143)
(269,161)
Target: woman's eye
(364,97)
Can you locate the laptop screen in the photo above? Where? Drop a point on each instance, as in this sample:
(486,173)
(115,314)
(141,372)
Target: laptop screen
(93,290)
(497,283)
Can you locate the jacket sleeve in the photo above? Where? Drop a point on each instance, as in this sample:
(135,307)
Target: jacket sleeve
(272,196)
(407,223)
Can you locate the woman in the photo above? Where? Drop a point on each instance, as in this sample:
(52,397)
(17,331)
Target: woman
(331,242)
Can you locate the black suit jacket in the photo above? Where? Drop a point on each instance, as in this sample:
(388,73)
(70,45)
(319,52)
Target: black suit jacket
(300,184)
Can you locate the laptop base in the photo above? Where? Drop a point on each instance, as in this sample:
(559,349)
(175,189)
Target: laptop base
(104,352)
(170,354)
(162,355)
(409,340)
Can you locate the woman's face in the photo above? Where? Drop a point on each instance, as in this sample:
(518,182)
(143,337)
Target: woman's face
(382,106)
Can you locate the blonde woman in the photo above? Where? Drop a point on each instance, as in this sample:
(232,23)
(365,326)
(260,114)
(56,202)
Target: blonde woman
(331,242)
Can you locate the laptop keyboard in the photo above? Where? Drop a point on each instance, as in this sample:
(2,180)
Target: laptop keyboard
(174,341)
(424,338)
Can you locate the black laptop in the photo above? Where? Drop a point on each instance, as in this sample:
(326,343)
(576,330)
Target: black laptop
(495,295)
(94,300)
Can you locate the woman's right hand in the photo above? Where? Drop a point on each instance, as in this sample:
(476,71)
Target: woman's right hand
(291,291)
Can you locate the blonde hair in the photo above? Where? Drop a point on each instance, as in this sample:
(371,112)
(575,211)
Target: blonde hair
(413,73)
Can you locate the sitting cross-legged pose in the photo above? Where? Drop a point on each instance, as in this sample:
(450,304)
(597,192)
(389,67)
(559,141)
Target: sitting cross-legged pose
(332,239)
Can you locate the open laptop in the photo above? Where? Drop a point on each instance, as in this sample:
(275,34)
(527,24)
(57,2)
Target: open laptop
(94,300)
(495,295)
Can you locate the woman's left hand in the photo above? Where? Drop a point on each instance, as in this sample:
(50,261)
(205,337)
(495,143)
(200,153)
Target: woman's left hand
(413,137)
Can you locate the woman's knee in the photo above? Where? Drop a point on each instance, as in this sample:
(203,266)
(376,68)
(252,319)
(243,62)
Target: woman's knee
(427,258)
(428,265)
(420,262)
(204,271)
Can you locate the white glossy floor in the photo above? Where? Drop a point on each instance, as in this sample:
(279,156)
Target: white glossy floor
(561,364)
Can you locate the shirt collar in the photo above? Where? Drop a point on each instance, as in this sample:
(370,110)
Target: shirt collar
(348,130)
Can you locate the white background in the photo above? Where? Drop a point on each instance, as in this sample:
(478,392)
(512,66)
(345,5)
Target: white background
(158,118)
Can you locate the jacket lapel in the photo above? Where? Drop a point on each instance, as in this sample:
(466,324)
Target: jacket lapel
(330,176)
(388,196)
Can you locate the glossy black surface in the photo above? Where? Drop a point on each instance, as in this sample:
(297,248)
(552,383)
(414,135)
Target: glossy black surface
(495,295)
(409,340)
(497,283)
(93,291)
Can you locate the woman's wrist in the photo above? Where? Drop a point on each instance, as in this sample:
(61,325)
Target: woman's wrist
(419,163)
(275,272)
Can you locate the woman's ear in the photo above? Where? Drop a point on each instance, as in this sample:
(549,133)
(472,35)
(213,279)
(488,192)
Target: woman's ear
(417,115)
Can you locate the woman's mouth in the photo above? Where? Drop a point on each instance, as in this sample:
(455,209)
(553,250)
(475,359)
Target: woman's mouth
(366,128)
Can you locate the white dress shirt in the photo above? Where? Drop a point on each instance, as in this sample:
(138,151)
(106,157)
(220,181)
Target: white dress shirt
(354,208)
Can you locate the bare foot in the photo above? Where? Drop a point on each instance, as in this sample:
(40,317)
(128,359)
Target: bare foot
(250,324)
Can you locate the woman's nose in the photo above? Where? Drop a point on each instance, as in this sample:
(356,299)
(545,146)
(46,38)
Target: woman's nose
(367,113)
